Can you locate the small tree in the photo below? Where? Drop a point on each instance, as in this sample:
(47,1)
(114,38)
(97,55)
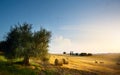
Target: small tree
(71,53)
(83,54)
(21,42)
(76,54)
(89,54)
(64,52)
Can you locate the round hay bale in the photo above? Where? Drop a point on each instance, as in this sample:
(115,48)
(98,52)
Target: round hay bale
(96,61)
(118,63)
(58,62)
(101,62)
(65,61)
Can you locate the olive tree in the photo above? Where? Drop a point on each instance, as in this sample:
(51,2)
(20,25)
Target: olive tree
(21,42)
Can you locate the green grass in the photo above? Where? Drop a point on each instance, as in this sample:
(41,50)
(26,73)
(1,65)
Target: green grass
(16,68)
(12,69)
(2,58)
(7,68)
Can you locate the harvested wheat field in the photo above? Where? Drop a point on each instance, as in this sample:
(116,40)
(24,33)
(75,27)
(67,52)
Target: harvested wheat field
(99,64)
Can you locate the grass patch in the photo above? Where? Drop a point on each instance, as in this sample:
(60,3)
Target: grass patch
(51,72)
(12,69)
(2,58)
(36,68)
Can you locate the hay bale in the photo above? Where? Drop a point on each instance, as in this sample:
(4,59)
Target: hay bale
(101,62)
(96,61)
(58,62)
(118,63)
(65,61)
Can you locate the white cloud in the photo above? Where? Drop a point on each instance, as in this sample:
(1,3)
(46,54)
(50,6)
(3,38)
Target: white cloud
(60,44)
(99,32)
(92,38)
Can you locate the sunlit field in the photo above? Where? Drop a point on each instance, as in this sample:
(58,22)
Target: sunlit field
(102,64)
(99,64)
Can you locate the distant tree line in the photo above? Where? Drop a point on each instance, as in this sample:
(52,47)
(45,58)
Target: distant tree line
(79,54)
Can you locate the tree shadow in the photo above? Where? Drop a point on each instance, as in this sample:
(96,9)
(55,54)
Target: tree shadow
(12,69)
(58,70)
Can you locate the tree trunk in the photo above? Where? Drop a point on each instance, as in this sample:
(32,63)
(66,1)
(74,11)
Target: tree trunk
(26,61)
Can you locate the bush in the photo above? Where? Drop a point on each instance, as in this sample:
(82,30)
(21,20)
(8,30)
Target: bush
(76,54)
(64,52)
(83,54)
(89,54)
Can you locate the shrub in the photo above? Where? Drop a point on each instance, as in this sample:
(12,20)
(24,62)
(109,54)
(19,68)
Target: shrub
(64,52)
(76,54)
(83,54)
(89,54)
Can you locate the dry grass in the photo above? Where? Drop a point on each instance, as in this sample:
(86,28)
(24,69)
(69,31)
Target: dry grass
(106,63)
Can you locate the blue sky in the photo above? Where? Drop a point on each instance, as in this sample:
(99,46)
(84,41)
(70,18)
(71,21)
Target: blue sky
(76,25)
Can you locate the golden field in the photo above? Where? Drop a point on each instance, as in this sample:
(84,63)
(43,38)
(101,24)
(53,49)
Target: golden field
(98,64)
(101,64)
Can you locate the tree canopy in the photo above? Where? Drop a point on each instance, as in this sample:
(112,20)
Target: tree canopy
(22,42)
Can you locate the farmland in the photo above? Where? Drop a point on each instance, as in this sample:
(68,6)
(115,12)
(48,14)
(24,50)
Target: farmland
(101,64)
(98,64)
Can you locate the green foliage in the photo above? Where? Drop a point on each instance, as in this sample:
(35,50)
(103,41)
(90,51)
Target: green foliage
(89,54)
(85,54)
(18,41)
(21,42)
(41,40)
(2,58)
(10,69)
(2,46)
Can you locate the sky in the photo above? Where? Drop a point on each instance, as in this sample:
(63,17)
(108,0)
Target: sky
(91,26)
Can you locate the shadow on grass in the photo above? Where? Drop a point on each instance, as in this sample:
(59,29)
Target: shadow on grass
(15,69)
(57,70)
(67,71)
(12,69)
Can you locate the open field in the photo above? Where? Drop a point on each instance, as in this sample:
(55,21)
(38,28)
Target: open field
(99,64)
(102,64)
